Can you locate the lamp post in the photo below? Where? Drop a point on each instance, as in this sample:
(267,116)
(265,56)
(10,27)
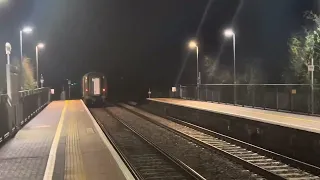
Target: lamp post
(229,33)
(69,87)
(193,45)
(39,46)
(26,30)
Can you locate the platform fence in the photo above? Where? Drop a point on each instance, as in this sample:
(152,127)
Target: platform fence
(280,97)
(14,116)
(157,93)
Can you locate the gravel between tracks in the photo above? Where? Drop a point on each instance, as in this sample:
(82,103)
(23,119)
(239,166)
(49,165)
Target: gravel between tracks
(204,161)
(148,161)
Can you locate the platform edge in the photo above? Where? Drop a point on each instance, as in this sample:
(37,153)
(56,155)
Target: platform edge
(124,169)
(257,119)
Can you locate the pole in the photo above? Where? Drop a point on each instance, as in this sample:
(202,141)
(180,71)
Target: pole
(8,59)
(69,91)
(41,81)
(312,89)
(21,59)
(234,69)
(37,64)
(198,78)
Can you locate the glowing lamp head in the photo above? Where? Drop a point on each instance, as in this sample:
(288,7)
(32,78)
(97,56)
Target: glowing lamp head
(104,90)
(27,30)
(228,33)
(40,45)
(192,44)
(86,90)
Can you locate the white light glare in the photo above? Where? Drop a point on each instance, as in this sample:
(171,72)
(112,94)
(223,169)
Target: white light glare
(228,32)
(192,44)
(27,30)
(40,45)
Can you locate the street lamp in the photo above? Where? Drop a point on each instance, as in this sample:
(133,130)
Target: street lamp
(193,45)
(39,46)
(229,33)
(26,30)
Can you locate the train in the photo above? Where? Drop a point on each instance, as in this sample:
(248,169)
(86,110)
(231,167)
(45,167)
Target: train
(94,89)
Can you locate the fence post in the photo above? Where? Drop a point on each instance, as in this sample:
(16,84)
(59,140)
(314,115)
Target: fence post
(253,96)
(206,94)
(277,98)
(291,101)
(263,100)
(211,96)
(312,98)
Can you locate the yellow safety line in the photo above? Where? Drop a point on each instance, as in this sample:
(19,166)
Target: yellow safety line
(74,167)
(53,151)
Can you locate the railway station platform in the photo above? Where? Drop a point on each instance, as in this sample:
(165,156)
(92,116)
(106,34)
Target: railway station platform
(61,142)
(296,121)
(292,135)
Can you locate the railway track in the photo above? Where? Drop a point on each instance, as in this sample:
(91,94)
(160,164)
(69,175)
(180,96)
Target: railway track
(208,164)
(255,161)
(145,159)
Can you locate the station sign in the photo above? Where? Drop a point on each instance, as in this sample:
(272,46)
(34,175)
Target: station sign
(310,68)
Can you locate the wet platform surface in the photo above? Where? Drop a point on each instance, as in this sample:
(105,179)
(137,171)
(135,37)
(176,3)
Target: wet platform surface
(62,142)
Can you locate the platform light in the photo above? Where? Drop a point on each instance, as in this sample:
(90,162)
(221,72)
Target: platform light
(40,45)
(192,44)
(228,33)
(27,29)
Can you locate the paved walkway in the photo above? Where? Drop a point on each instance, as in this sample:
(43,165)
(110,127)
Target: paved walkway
(25,156)
(62,142)
(302,122)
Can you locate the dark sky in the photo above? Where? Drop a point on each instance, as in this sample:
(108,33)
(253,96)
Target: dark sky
(142,43)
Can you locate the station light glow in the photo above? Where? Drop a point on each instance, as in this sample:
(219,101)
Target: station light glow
(40,45)
(192,44)
(228,32)
(27,30)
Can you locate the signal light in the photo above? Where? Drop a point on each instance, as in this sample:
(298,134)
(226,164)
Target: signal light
(103,89)
(86,90)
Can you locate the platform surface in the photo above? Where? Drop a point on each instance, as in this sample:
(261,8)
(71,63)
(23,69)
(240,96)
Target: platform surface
(62,142)
(296,121)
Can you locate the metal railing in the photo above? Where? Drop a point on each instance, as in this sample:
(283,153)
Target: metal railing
(285,97)
(165,93)
(12,117)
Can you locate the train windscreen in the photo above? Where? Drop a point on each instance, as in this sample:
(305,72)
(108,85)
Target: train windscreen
(96,86)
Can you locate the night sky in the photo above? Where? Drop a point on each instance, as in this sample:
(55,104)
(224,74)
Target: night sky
(142,43)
